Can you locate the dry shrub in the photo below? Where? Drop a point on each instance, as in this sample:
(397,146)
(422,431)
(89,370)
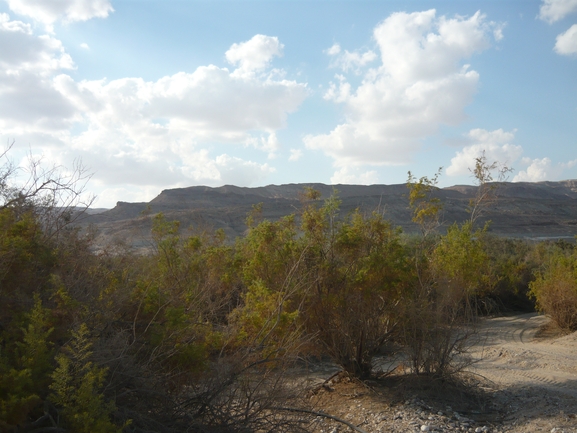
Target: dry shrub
(555,290)
(440,310)
(437,333)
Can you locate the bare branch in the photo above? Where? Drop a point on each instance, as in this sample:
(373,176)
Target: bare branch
(55,195)
(487,185)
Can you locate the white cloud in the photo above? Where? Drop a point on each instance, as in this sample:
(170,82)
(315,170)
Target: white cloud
(539,170)
(24,51)
(223,170)
(29,101)
(354,176)
(422,83)
(498,136)
(208,104)
(84,46)
(236,171)
(269,144)
(50,11)
(166,122)
(334,50)
(567,42)
(498,31)
(555,10)
(108,197)
(496,145)
(254,54)
(295,155)
(350,61)
(163,132)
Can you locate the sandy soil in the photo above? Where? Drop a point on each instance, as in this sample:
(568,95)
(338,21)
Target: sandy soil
(524,380)
(534,370)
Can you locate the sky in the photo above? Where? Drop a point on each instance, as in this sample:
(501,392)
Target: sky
(156,94)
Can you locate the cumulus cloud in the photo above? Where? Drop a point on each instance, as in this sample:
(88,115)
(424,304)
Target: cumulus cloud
(495,144)
(207,104)
(29,100)
(24,51)
(295,155)
(354,176)
(223,169)
(172,118)
(266,143)
(567,42)
(162,132)
(350,61)
(237,171)
(555,10)
(48,12)
(334,50)
(539,170)
(254,54)
(498,31)
(124,194)
(421,83)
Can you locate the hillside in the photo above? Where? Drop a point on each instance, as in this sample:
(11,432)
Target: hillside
(528,210)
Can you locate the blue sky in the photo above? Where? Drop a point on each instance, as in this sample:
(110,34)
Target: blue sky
(157,94)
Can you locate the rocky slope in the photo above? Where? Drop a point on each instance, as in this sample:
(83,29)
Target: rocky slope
(531,210)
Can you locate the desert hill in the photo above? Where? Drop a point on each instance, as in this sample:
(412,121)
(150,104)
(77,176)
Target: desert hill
(522,209)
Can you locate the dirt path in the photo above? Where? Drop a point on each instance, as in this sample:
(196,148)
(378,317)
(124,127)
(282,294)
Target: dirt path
(536,377)
(529,383)
(510,355)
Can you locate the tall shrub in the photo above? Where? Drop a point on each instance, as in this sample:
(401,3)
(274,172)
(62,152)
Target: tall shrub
(555,289)
(357,278)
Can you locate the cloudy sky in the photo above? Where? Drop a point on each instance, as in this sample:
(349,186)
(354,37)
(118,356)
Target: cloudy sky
(157,94)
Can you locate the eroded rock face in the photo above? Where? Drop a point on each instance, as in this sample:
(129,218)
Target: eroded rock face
(529,210)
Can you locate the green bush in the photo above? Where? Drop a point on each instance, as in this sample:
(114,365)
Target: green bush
(358,272)
(76,388)
(555,289)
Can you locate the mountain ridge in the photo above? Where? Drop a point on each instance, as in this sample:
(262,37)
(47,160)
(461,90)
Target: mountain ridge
(521,209)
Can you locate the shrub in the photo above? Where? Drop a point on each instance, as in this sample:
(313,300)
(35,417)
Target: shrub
(76,387)
(24,373)
(359,270)
(555,289)
(440,311)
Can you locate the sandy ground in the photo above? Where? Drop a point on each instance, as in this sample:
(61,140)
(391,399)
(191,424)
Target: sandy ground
(524,381)
(533,369)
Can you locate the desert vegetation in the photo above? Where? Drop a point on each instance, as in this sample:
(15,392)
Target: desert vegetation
(199,335)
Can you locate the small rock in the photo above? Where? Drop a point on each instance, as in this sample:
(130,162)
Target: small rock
(425,428)
(478,430)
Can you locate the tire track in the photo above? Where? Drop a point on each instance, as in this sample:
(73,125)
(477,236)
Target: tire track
(508,355)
